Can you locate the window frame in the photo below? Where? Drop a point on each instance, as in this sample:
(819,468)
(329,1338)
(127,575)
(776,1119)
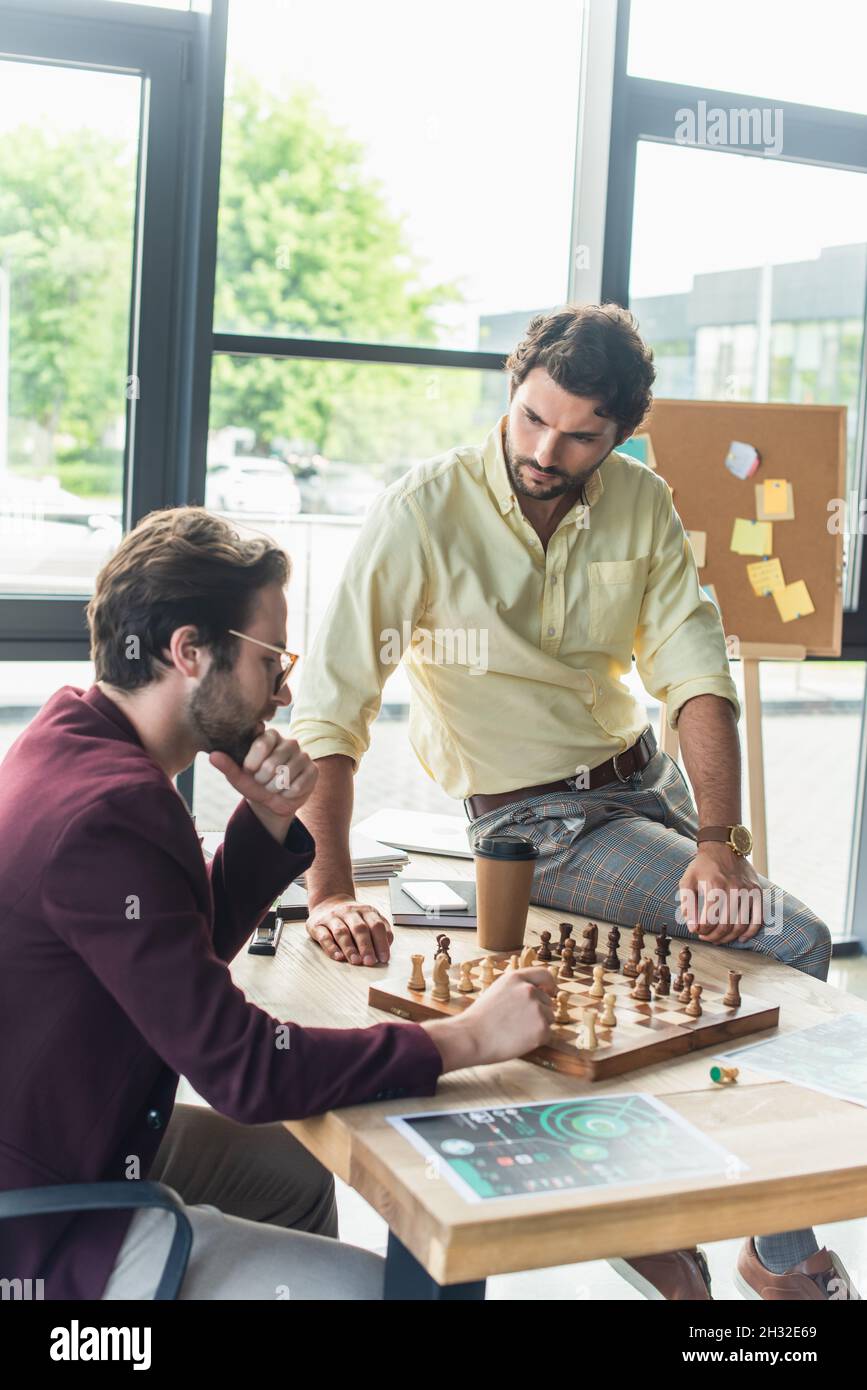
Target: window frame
(180,59)
(645,110)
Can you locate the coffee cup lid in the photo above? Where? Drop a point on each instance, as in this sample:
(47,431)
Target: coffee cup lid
(504,847)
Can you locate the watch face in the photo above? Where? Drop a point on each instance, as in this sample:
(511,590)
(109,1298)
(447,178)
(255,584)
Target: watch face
(741,839)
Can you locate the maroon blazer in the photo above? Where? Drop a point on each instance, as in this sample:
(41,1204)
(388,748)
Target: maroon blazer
(114,938)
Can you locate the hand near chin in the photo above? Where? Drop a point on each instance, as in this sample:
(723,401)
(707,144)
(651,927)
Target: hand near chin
(276,778)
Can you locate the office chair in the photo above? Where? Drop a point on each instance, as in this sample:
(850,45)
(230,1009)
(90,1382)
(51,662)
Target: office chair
(104,1196)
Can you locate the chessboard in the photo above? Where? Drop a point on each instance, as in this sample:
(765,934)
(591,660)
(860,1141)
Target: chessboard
(655,1017)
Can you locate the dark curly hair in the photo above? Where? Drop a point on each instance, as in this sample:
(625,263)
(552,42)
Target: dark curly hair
(177,567)
(592,350)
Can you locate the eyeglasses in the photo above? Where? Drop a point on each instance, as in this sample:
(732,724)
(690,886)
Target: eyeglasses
(287,659)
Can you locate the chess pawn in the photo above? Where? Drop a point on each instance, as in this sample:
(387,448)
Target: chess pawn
(693,1008)
(567,971)
(554,972)
(416,979)
(528,956)
(514,963)
(663,984)
(565,929)
(561,1008)
(608,1018)
(441,991)
(465,983)
(684,995)
(545,953)
(487,972)
(732,996)
(443,944)
(597,989)
(612,960)
(590,1040)
(683,961)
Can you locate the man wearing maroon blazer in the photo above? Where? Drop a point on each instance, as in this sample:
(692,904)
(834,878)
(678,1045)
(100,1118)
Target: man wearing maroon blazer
(115,939)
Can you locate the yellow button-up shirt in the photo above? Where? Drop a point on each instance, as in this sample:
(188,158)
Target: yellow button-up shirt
(514,654)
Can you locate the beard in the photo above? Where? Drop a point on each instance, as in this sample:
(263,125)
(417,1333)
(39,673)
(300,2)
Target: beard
(560,484)
(221,720)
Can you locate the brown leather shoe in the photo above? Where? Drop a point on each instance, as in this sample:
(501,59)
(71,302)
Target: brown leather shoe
(821,1276)
(677,1274)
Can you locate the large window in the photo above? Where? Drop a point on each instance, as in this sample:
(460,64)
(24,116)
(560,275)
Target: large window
(392,174)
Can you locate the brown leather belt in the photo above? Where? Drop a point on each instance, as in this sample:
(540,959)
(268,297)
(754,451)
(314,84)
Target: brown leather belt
(617,769)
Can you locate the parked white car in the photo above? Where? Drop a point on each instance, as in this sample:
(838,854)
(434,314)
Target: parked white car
(260,486)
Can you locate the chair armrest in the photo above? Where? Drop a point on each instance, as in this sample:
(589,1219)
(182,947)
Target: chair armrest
(106,1196)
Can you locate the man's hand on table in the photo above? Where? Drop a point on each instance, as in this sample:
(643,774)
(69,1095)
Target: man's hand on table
(348,930)
(721,896)
(510,1018)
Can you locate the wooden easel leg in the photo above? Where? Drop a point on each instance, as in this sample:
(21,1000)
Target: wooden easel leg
(755,764)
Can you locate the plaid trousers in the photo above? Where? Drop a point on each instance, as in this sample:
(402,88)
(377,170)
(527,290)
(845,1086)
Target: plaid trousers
(617,854)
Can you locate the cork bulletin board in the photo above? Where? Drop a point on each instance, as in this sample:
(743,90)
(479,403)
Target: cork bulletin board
(805,445)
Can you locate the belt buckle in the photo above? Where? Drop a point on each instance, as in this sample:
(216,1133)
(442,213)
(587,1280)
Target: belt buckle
(617,773)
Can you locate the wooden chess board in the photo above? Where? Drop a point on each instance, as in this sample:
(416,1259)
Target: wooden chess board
(645,1032)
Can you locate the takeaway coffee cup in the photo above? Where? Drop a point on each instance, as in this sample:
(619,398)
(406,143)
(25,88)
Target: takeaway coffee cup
(504,874)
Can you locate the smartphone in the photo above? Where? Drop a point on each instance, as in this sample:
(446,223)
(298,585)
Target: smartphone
(433,897)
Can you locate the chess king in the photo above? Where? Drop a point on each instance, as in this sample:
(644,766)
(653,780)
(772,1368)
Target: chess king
(517,578)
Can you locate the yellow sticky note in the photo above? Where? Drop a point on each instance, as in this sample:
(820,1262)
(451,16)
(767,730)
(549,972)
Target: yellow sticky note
(794,601)
(775,496)
(752,537)
(766,576)
(698,541)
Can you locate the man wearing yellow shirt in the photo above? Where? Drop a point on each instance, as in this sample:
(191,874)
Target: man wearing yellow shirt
(517,580)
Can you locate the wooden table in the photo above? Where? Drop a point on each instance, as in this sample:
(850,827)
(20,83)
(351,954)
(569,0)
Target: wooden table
(807,1153)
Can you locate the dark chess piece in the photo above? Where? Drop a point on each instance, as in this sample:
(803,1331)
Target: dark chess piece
(683,961)
(544,952)
(565,929)
(663,951)
(443,944)
(612,960)
(663,983)
(567,960)
(587,954)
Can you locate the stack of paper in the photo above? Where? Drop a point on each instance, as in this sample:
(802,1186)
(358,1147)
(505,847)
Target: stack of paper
(372,861)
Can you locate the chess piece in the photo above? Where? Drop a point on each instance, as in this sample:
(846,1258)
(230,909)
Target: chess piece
(443,944)
(684,995)
(567,970)
(608,1018)
(612,960)
(663,951)
(441,991)
(487,972)
(561,1008)
(587,954)
(732,996)
(597,989)
(636,945)
(416,979)
(465,983)
(528,956)
(693,1008)
(555,972)
(663,983)
(545,953)
(565,929)
(514,963)
(641,988)
(590,1040)
(683,961)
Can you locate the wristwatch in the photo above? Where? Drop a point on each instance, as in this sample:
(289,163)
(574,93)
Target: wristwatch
(737,837)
